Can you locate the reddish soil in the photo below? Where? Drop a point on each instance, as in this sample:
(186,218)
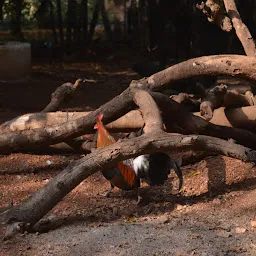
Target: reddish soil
(212,215)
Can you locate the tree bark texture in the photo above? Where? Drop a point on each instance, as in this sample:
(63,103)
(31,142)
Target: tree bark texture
(62,94)
(84,4)
(231,65)
(150,111)
(94,21)
(128,122)
(235,65)
(60,25)
(42,201)
(31,139)
(191,124)
(242,31)
(212,100)
(244,117)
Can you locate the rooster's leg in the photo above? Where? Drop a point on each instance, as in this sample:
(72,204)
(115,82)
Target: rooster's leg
(106,194)
(138,195)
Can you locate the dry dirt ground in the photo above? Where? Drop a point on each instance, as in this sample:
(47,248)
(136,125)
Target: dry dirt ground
(213,215)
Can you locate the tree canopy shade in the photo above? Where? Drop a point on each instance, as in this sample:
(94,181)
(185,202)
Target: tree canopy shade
(174,28)
(192,84)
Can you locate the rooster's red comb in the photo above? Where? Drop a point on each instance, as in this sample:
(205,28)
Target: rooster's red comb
(100,117)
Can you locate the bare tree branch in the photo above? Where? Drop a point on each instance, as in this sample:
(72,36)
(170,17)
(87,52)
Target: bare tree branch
(150,111)
(31,139)
(231,65)
(128,122)
(242,31)
(191,124)
(215,14)
(234,99)
(213,99)
(235,65)
(62,94)
(244,117)
(35,207)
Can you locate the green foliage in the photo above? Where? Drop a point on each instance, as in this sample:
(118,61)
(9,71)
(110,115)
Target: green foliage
(28,9)
(35,13)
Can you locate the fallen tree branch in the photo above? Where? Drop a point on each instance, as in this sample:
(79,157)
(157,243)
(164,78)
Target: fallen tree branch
(150,111)
(191,102)
(232,65)
(35,207)
(212,100)
(235,65)
(128,122)
(234,99)
(31,139)
(242,31)
(244,117)
(174,112)
(62,94)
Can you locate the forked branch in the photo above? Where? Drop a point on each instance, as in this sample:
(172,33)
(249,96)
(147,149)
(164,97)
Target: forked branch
(234,65)
(150,111)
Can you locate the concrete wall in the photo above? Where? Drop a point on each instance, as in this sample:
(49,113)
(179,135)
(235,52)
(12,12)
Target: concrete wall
(15,61)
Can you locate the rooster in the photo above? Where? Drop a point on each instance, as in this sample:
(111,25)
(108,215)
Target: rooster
(153,168)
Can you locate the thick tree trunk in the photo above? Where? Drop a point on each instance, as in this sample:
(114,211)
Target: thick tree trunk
(105,20)
(53,24)
(1,9)
(94,21)
(69,26)
(16,19)
(71,23)
(84,15)
(60,25)
(143,25)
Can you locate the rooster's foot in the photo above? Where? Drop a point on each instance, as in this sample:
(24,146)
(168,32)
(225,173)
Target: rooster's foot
(106,194)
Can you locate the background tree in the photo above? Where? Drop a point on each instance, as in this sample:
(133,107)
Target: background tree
(177,29)
(15,10)
(60,25)
(1,9)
